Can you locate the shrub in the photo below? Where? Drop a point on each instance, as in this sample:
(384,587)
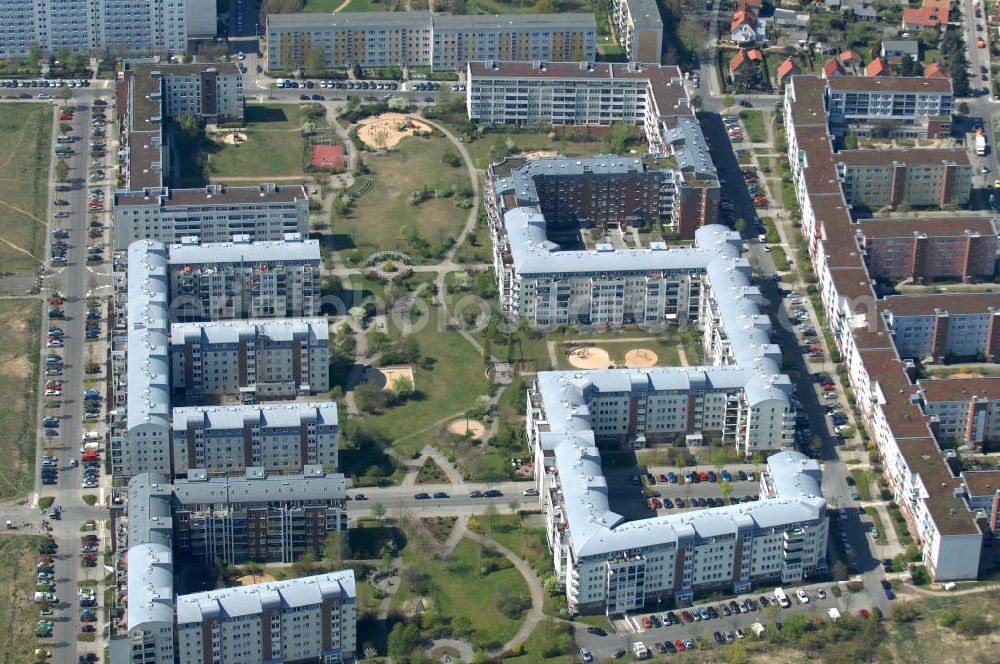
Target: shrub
(905,611)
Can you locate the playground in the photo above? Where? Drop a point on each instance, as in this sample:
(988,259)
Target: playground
(586,357)
(386,377)
(385,131)
(640,358)
(233,138)
(474,428)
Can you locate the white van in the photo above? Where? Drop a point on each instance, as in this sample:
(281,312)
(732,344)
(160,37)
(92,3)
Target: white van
(640,650)
(91,435)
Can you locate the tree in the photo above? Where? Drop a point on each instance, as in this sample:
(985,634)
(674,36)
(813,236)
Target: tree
(489,516)
(617,138)
(725,488)
(404,640)
(514,506)
(550,584)
(378,511)
(736,653)
(64,95)
(741,225)
(905,611)
(729,100)
(963,108)
(315,62)
(34,54)
(62,170)
(356,71)
(795,625)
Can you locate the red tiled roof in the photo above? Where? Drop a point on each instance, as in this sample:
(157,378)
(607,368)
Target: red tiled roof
(744,16)
(787,68)
(929,16)
(935,70)
(850,56)
(877,67)
(832,68)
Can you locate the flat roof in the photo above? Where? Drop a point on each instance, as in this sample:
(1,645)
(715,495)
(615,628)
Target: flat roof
(951,303)
(960,389)
(294,248)
(982,482)
(909,157)
(950,226)
(915,84)
(214,195)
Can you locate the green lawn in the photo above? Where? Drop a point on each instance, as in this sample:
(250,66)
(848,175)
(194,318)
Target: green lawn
(753,121)
(457,588)
(450,378)
(274,147)
(863,483)
(510,531)
(877,521)
(378,217)
(490,147)
(20,319)
(545,635)
(18,613)
(25,150)
(353,6)
(779,258)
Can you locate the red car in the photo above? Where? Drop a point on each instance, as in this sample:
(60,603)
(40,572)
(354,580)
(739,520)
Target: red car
(703,476)
(751,180)
(864,613)
(686,616)
(679,645)
(829,388)
(65,116)
(655,503)
(646,622)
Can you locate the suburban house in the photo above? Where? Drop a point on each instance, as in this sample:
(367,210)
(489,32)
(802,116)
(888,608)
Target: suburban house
(878,67)
(861,10)
(744,67)
(933,14)
(744,29)
(850,59)
(894,50)
(832,68)
(936,70)
(786,70)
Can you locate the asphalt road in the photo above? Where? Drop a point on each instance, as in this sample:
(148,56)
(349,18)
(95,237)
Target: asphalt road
(73,280)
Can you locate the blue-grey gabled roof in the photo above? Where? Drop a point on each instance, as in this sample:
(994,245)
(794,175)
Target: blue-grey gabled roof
(148,361)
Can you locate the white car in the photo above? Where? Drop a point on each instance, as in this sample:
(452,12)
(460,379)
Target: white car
(803,597)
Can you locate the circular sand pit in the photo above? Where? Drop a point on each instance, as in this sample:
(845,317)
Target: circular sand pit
(234,138)
(640,358)
(589,358)
(385,131)
(250,579)
(475,428)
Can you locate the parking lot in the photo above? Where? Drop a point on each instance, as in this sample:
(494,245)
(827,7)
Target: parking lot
(656,631)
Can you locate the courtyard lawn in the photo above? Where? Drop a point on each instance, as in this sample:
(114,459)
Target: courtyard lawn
(491,146)
(665,347)
(20,319)
(274,149)
(25,150)
(753,121)
(378,218)
(449,377)
(527,542)
(326,6)
(18,613)
(449,585)
(779,258)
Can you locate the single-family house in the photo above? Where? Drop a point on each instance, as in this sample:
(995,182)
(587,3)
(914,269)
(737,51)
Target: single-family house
(861,10)
(745,67)
(928,16)
(786,70)
(936,70)
(744,27)
(878,67)
(832,68)
(849,59)
(893,50)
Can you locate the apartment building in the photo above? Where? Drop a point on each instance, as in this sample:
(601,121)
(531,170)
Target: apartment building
(895,106)
(311,619)
(585,93)
(939,328)
(930,249)
(250,359)
(877,179)
(279,437)
(965,411)
(245,279)
(88,27)
(420,39)
(921,481)
(148,94)
(639,29)
(610,565)
(982,493)
(215,213)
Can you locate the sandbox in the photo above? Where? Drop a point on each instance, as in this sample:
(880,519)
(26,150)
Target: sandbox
(640,358)
(396,127)
(233,138)
(589,358)
(475,428)
(384,377)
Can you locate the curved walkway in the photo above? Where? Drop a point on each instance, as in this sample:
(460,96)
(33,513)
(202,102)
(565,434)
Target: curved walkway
(927,592)
(535,615)
(463,648)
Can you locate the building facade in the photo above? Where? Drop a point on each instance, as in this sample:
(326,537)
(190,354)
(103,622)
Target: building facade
(88,27)
(877,179)
(216,213)
(889,105)
(311,619)
(963,411)
(940,328)
(945,248)
(250,359)
(279,437)
(244,279)
(419,39)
